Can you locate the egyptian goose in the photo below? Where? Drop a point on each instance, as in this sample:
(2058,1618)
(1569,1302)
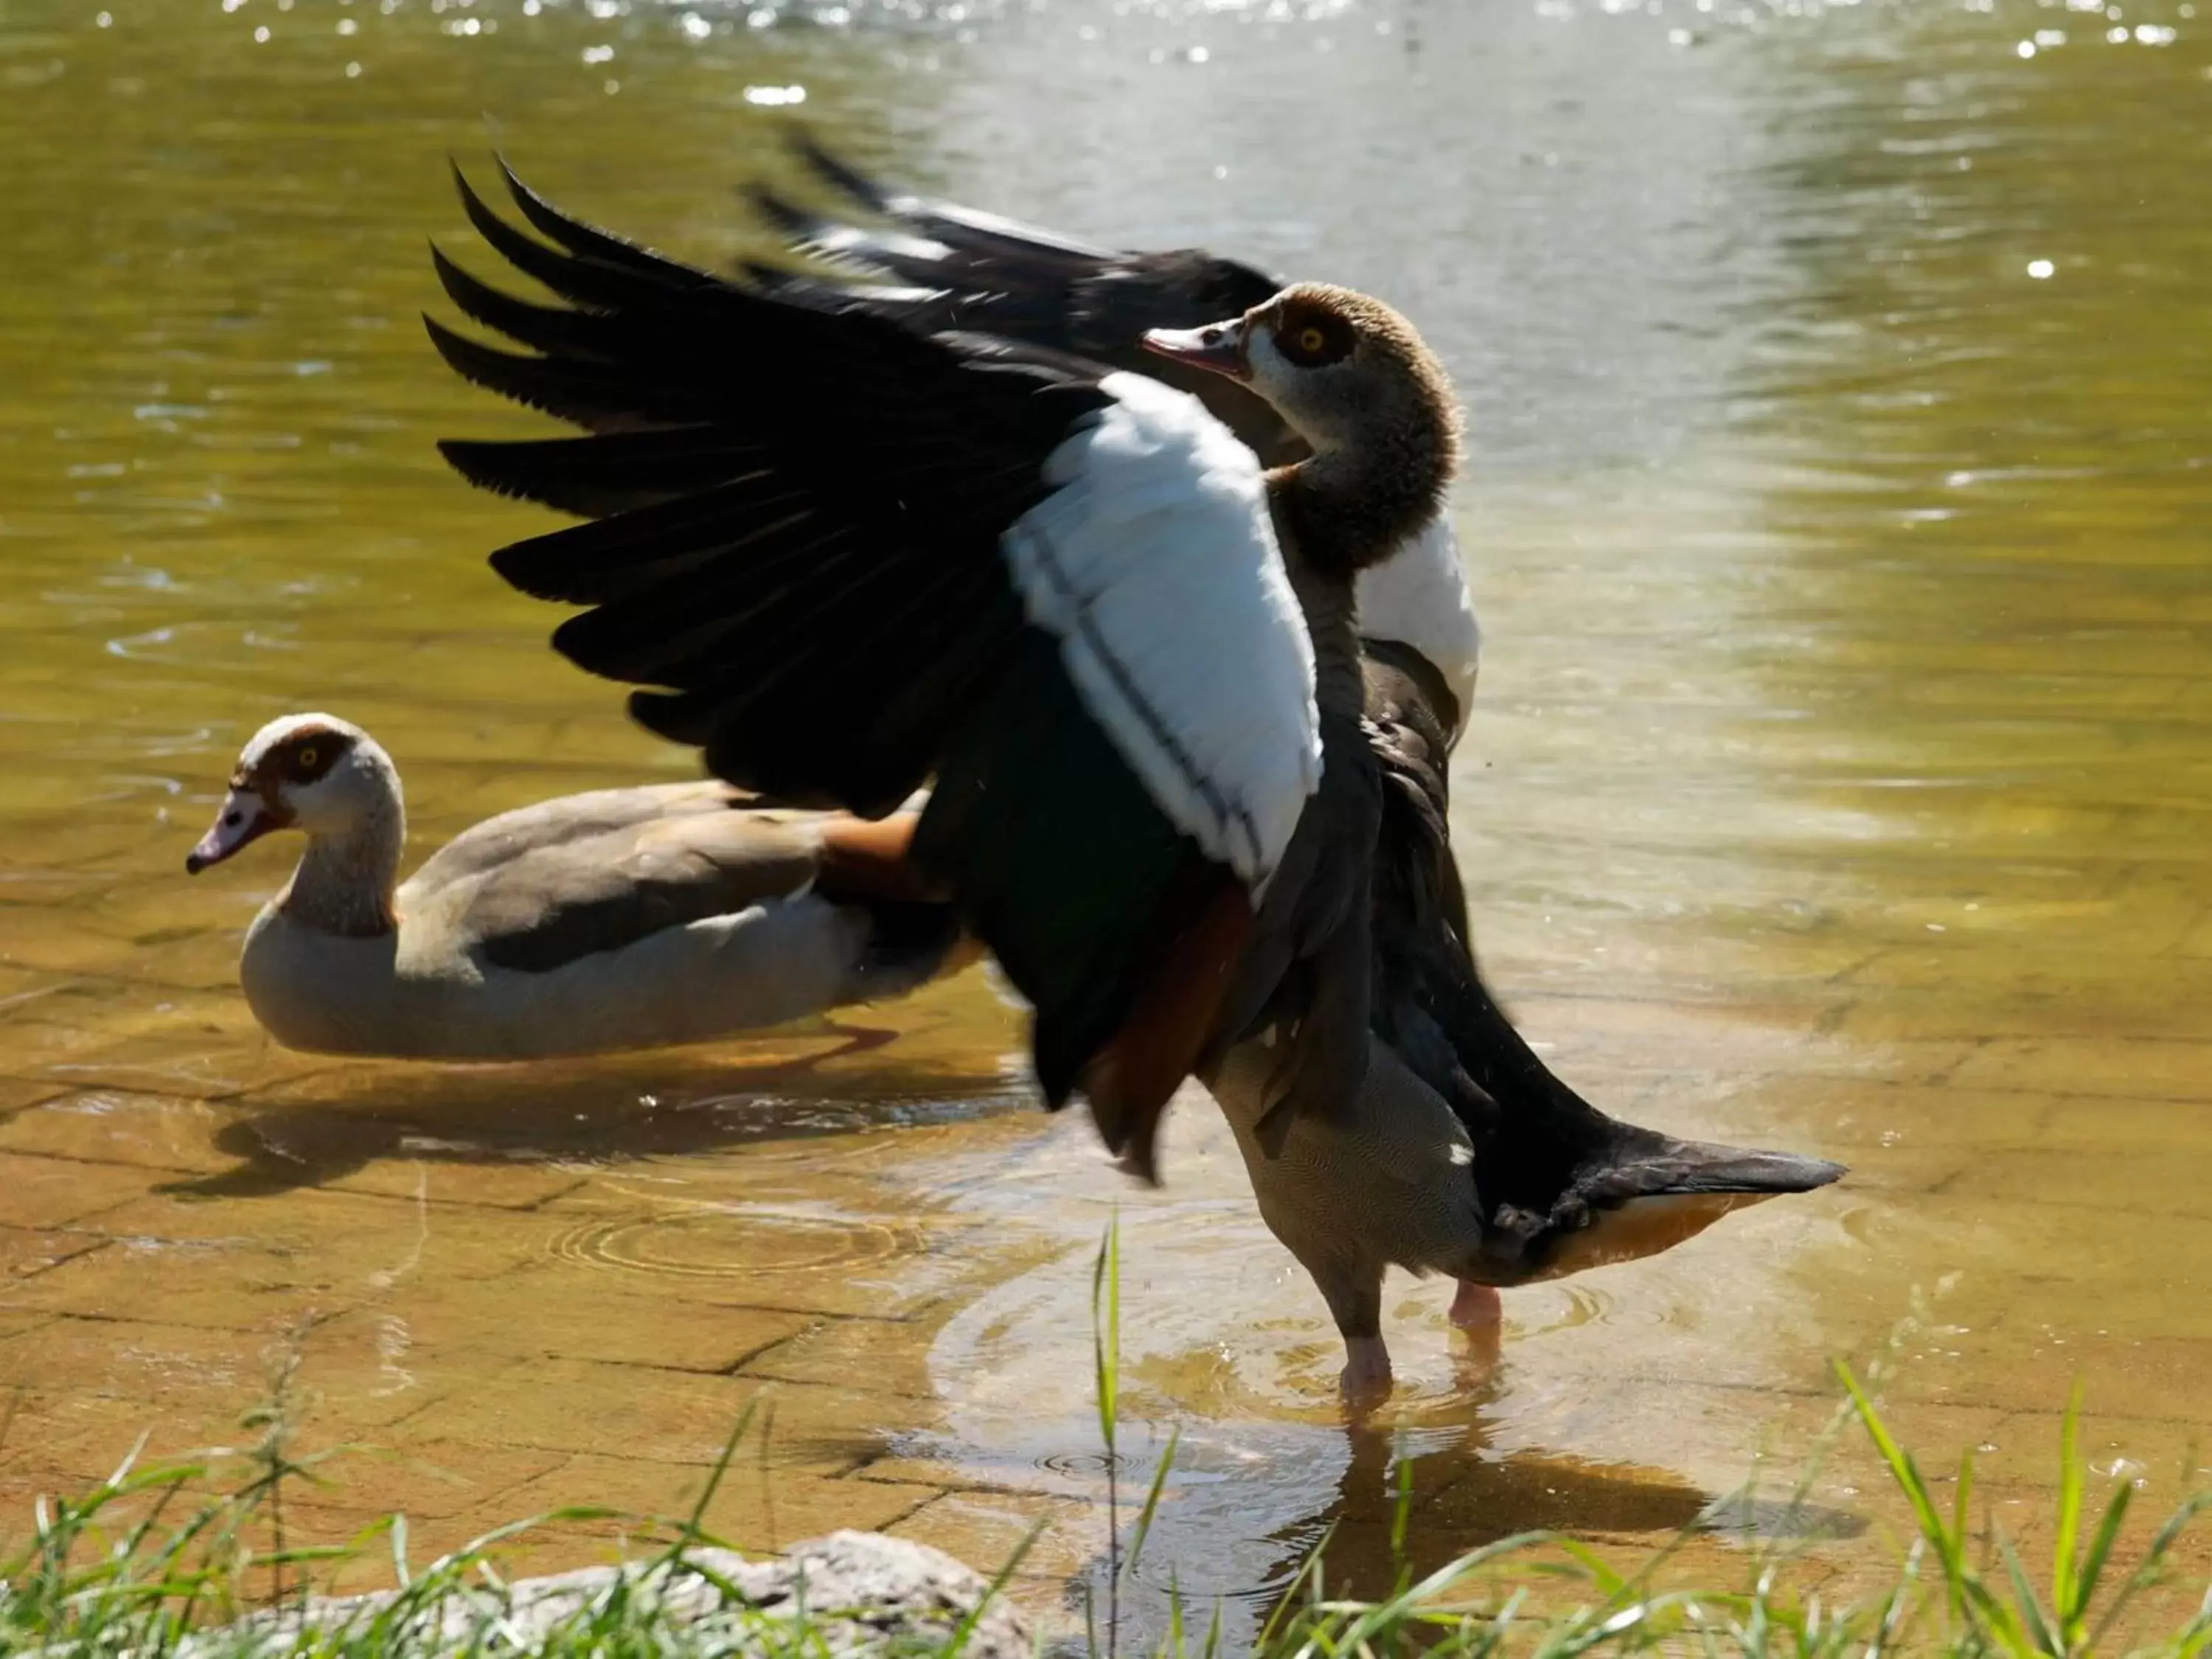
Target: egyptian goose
(942,268)
(1462,1155)
(848,556)
(621,919)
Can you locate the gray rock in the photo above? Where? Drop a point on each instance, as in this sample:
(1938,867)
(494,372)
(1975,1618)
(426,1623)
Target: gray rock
(860,1593)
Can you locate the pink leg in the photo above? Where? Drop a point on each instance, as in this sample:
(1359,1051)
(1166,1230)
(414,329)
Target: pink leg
(1366,1378)
(1477,1307)
(1479,1313)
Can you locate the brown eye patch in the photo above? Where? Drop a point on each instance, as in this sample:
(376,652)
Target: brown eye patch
(1313,336)
(309,754)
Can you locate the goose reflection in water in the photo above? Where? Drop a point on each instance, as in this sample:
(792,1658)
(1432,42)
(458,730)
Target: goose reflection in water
(1407,1501)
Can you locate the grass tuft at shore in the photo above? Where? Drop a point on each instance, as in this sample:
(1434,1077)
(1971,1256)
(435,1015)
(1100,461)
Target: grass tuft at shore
(146,1565)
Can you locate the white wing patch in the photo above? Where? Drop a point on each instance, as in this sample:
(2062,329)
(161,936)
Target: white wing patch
(1419,597)
(1154,563)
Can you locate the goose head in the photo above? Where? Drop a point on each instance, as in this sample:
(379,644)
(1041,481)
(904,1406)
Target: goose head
(315,773)
(1356,382)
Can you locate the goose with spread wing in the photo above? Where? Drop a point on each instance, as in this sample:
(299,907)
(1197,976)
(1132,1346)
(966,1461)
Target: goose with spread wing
(1461,1153)
(842,557)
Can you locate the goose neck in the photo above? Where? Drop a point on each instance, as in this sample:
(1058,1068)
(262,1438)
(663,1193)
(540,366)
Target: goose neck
(345,879)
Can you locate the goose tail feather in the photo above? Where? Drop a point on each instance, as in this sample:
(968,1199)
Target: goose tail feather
(1646,1202)
(1688,1167)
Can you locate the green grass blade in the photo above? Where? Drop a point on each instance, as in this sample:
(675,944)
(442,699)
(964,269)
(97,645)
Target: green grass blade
(1997,1623)
(2033,1622)
(1962,1500)
(694,1526)
(1106,1330)
(1144,1526)
(1308,1575)
(1402,1510)
(2152,1567)
(2075,1618)
(1948,1544)
(966,1629)
(2065,1563)
(1596,1568)
(1897,1604)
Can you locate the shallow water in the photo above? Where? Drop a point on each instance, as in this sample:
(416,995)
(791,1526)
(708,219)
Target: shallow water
(1840,395)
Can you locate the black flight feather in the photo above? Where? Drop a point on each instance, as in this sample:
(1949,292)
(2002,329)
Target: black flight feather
(588,240)
(975,272)
(794,554)
(614,472)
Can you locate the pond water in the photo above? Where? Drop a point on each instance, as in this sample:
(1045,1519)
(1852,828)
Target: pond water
(1840,384)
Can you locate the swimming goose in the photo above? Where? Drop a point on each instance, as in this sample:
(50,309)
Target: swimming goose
(1462,1154)
(847,557)
(957,270)
(621,919)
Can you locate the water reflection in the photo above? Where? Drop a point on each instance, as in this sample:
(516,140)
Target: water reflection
(334,1124)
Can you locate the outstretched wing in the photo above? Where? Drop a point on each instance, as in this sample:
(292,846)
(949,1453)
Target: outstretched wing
(845,557)
(941,268)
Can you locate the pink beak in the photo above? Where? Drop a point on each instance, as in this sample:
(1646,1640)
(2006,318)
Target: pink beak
(1218,347)
(245,818)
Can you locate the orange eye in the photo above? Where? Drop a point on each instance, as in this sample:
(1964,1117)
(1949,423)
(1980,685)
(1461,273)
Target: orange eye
(1310,341)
